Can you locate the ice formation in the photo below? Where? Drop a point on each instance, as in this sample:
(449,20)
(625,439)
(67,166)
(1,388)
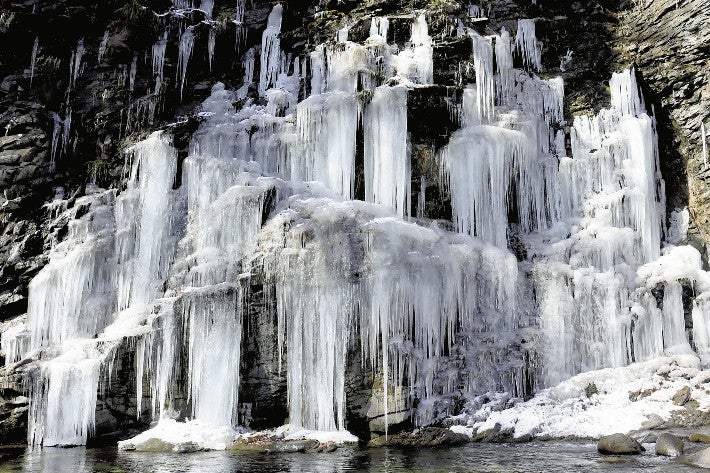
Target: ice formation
(33,59)
(102,46)
(187,41)
(75,63)
(158,51)
(267,196)
(527,46)
(271,50)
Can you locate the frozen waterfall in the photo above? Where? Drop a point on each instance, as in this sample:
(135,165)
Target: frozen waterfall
(554,262)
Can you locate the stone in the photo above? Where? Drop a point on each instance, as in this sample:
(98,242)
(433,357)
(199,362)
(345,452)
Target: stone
(700,459)
(619,444)
(293,446)
(187,447)
(682,396)
(699,438)
(668,445)
(426,437)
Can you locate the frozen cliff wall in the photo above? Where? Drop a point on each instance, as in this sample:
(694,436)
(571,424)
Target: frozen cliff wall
(70,106)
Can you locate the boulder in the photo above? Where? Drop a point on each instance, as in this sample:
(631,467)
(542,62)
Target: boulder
(293,446)
(700,459)
(682,396)
(619,444)
(699,438)
(668,445)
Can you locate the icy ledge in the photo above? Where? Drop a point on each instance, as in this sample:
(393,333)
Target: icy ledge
(173,436)
(592,404)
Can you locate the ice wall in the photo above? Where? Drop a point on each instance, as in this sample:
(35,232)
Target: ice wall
(554,265)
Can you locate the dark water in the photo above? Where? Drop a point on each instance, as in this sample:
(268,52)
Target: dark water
(547,457)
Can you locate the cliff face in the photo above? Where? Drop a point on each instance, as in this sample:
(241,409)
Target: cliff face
(78,86)
(669,43)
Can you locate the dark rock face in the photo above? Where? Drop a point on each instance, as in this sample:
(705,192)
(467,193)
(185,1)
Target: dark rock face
(673,55)
(108,114)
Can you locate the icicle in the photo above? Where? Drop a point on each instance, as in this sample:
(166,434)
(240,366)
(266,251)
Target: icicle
(270,51)
(143,222)
(421,201)
(211,39)
(63,403)
(379,28)
(33,60)
(527,46)
(214,318)
(387,166)
(187,41)
(66,130)
(625,93)
(505,82)
(132,73)
(102,46)
(159,49)
(240,11)
(75,63)
(485,85)
(327,127)
(342,36)
(56,134)
(416,63)
(207,6)
(72,296)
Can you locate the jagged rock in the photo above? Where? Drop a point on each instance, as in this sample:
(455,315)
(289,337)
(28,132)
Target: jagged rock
(682,396)
(619,444)
(668,445)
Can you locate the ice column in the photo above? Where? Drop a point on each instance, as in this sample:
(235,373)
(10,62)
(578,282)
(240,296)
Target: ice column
(63,402)
(271,50)
(527,46)
(387,166)
(214,317)
(143,220)
(327,127)
(33,59)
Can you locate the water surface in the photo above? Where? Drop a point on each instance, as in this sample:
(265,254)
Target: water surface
(547,457)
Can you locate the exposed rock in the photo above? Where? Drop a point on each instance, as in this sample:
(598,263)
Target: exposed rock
(426,437)
(682,396)
(619,444)
(270,444)
(699,438)
(700,459)
(668,445)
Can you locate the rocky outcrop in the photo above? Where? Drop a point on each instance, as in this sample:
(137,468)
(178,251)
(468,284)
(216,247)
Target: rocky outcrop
(426,437)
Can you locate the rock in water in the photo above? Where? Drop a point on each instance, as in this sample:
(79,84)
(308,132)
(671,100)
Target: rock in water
(669,445)
(619,444)
(700,459)
(699,438)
